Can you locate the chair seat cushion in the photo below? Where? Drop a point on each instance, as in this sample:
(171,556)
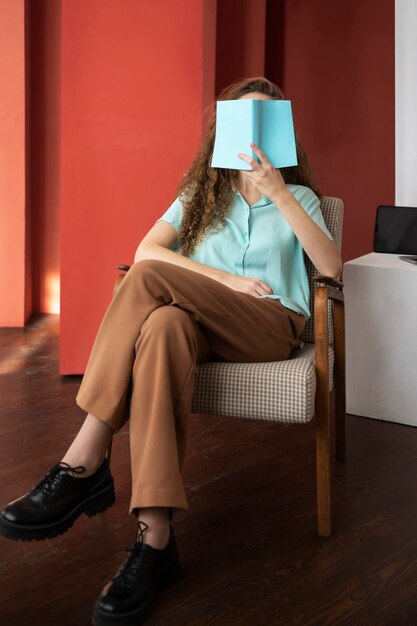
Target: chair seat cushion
(281,391)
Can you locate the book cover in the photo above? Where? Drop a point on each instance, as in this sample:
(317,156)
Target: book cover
(267,123)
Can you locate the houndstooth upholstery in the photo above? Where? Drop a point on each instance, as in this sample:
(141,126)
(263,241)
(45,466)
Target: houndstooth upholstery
(282,391)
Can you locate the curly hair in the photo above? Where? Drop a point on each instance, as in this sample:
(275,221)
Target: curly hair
(206,192)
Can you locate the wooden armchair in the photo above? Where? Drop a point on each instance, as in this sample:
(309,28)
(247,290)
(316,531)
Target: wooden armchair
(299,389)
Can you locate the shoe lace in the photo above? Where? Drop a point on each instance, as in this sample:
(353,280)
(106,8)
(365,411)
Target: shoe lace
(136,561)
(53,477)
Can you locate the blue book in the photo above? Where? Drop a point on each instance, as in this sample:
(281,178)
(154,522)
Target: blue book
(267,123)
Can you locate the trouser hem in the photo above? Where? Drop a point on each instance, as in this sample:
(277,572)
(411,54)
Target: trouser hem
(114,424)
(173,503)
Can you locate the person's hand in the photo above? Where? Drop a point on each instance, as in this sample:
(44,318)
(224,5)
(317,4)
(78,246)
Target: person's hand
(252,286)
(264,176)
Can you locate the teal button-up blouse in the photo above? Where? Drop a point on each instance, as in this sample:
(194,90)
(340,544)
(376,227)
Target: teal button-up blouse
(258,242)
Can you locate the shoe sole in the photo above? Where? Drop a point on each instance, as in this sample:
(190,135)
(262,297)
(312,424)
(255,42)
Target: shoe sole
(90,507)
(169,577)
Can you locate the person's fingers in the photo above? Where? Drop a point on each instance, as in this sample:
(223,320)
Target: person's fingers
(267,287)
(248,174)
(261,287)
(260,154)
(255,165)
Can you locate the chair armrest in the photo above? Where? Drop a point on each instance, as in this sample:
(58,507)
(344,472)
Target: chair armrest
(328,288)
(328,280)
(333,286)
(324,293)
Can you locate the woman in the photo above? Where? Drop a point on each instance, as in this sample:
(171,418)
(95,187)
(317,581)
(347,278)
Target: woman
(220,276)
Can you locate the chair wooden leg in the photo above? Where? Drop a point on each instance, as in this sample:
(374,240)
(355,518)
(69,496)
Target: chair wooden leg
(108,453)
(340,384)
(324,474)
(323,426)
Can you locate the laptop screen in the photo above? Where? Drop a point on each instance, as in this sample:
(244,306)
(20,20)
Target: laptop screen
(396,230)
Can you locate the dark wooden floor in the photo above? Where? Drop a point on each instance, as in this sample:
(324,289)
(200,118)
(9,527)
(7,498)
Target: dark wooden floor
(248,543)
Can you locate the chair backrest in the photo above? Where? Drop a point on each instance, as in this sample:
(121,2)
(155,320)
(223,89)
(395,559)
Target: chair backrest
(332,210)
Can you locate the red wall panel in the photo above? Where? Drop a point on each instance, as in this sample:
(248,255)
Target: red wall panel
(15,288)
(132,101)
(335,61)
(240,40)
(43,25)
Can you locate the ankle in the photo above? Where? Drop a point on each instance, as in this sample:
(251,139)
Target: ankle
(90,445)
(154,526)
(156,537)
(91,464)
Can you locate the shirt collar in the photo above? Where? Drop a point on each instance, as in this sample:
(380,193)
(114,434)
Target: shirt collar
(263,200)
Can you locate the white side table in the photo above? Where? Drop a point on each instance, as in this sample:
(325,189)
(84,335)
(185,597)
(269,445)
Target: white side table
(381,338)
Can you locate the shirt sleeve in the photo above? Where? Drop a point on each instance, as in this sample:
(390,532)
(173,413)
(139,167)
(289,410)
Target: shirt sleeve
(173,215)
(311,205)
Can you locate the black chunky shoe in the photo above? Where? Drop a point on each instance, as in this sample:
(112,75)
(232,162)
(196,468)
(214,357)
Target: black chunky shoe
(51,507)
(130,595)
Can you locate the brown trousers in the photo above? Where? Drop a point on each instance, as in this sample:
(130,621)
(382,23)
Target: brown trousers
(163,320)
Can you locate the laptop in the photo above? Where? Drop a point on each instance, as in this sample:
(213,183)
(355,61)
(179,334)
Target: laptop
(396,231)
